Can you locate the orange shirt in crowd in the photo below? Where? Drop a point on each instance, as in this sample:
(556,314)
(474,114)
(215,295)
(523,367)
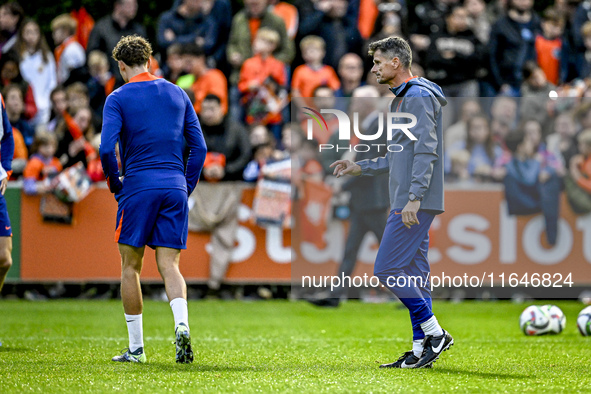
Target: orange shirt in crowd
(548,54)
(20,149)
(585,181)
(39,169)
(289,14)
(257,69)
(368,14)
(306,79)
(212,82)
(253,26)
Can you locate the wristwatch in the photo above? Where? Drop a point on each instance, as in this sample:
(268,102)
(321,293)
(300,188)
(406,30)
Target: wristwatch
(412,197)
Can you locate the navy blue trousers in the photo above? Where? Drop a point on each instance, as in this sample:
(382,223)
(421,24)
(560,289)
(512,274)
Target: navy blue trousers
(403,267)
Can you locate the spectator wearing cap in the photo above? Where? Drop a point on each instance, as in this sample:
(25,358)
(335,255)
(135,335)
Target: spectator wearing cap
(108,31)
(69,54)
(512,43)
(201,79)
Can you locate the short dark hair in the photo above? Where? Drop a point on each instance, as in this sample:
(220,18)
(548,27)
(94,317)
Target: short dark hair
(551,14)
(174,49)
(393,47)
(57,89)
(192,49)
(213,97)
(514,139)
(133,50)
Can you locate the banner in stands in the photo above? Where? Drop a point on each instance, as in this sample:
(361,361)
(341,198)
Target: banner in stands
(475,236)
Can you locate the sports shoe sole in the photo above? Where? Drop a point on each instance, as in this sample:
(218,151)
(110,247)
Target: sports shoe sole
(184,352)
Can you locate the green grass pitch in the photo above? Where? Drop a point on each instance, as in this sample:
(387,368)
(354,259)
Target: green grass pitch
(281,346)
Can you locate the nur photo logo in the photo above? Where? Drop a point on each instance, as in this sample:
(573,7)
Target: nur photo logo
(402,121)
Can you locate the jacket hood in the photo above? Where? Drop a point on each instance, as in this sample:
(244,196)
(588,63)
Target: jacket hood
(422,83)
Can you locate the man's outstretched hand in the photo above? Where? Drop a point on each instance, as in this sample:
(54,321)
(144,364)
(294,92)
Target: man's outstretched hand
(345,167)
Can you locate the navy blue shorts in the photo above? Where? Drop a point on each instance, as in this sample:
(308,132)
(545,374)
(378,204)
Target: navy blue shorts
(5,227)
(157,217)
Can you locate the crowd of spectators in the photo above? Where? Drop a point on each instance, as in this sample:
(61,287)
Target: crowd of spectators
(243,67)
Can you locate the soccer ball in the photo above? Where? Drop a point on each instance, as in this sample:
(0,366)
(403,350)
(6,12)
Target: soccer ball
(557,318)
(535,320)
(584,322)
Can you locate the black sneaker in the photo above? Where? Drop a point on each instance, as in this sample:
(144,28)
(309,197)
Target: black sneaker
(433,347)
(407,360)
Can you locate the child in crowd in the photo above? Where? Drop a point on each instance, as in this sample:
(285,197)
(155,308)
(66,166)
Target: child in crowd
(10,75)
(101,82)
(262,83)
(43,165)
(309,76)
(459,173)
(549,45)
(74,134)
(37,67)
(535,91)
(561,142)
(480,145)
(59,104)
(69,54)
(13,99)
(173,68)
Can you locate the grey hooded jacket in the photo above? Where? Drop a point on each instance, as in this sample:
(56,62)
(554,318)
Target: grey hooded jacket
(418,167)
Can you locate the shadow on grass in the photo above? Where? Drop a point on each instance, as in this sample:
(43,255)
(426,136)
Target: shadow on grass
(477,374)
(8,349)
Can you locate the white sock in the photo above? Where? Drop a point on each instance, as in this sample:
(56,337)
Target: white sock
(417,347)
(432,327)
(135,330)
(180,311)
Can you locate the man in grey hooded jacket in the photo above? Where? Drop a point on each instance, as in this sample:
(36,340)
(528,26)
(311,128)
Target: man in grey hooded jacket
(414,161)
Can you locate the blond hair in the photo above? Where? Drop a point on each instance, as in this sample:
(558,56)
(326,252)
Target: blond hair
(310,41)
(97,58)
(64,21)
(264,33)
